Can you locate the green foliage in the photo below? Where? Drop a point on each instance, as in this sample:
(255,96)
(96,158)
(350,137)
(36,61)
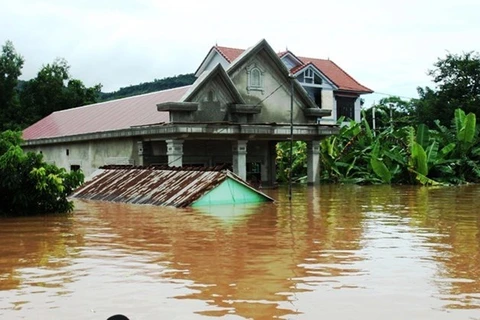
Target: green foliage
(53,89)
(156,85)
(28,185)
(299,161)
(390,111)
(457,80)
(403,155)
(10,69)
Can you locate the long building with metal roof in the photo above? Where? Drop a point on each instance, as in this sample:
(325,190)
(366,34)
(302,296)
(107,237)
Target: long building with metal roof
(242,104)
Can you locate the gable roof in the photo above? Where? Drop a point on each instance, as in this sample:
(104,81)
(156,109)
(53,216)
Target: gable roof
(163,186)
(329,68)
(206,77)
(300,68)
(337,75)
(229,53)
(105,116)
(263,45)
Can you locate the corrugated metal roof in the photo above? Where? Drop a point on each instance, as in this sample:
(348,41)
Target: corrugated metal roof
(152,185)
(106,116)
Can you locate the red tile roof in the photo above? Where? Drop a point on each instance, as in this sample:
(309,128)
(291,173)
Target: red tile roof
(329,68)
(229,53)
(106,116)
(337,75)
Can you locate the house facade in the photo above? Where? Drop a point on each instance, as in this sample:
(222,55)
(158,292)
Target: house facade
(328,85)
(242,104)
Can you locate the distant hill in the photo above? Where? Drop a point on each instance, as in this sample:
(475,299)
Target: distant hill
(146,87)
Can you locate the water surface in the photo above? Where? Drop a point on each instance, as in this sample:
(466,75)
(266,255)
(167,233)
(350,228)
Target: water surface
(335,252)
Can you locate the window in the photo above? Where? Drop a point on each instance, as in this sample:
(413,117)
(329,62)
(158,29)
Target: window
(315,94)
(308,76)
(346,107)
(74,167)
(211,96)
(254,78)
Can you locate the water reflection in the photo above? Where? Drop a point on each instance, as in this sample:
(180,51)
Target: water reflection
(335,252)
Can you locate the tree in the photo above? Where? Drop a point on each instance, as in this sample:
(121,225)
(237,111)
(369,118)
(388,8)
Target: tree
(457,80)
(53,89)
(11,64)
(404,154)
(146,87)
(391,111)
(30,186)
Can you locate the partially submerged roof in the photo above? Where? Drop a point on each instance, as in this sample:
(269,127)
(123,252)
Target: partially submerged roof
(112,115)
(329,68)
(164,186)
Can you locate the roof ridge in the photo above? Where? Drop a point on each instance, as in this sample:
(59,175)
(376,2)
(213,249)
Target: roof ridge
(221,167)
(219,50)
(361,85)
(122,99)
(341,69)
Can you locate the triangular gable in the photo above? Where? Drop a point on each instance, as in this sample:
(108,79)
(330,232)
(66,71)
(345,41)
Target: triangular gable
(216,73)
(290,60)
(298,70)
(263,45)
(337,75)
(233,190)
(216,55)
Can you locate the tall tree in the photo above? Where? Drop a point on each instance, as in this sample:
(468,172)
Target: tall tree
(53,89)
(11,64)
(457,80)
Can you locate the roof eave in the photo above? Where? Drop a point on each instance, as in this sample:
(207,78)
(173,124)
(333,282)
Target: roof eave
(217,71)
(207,60)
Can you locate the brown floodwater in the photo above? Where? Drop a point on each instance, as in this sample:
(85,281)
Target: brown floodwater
(336,252)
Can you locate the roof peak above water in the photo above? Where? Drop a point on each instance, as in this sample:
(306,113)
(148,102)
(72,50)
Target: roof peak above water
(335,73)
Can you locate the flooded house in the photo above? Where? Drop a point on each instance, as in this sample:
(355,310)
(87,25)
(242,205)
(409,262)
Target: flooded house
(169,186)
(242,104)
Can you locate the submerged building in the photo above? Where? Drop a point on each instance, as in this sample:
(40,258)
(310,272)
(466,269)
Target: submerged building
(166,186)
(242,104)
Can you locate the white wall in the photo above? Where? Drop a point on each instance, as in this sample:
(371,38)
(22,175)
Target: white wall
(89,155)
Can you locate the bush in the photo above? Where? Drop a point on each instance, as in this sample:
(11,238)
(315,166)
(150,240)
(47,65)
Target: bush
(30,186)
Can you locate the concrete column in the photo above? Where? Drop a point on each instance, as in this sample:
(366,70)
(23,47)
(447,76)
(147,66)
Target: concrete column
(313,162)
(140,153)
(358,109)
(239,161)
(265,164)
(175,153)
(269,172)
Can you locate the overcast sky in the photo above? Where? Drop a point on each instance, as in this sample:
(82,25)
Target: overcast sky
(387,46)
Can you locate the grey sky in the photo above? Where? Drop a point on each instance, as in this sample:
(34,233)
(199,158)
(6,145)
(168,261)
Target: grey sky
(387,46)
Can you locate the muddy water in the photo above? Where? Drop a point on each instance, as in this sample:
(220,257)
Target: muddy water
(338,252)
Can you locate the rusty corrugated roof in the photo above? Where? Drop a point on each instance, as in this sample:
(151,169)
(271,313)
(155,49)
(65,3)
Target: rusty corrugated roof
(160,186)
(105,116)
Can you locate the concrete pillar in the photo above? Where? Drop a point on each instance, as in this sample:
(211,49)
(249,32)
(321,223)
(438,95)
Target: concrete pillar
(265,164)
(175,153)
(358,109)
(313,162)
(140,153)
(269,172)
(239,161)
